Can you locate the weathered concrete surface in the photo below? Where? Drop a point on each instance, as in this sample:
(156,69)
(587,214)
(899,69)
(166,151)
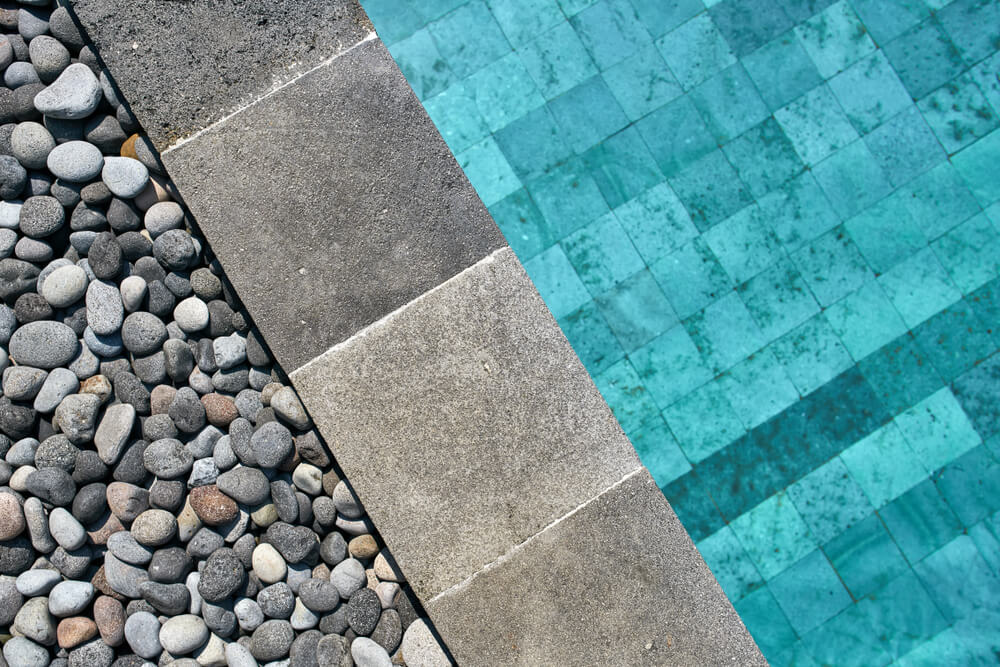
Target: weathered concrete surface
(183,65)
(616,583)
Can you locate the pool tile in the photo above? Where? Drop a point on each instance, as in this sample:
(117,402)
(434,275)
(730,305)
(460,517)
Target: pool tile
(696,51)
(657,223)
(758,388)
(976,163)
(532,144)
(694,506)
(938,200)
(659,452)
(642,83)
(852,178)
(954,340)
(729,562)
(724,332)
(394,19)
(782,70)
(946,648)
(887,19)
(676,135)
(977,632)
(572,7)
(557,60)
(959,580)
(937,429)
(885,233)
(469,38)
(523,225)
(430,10)
(568,197)
(795,655)
(985,534)
(809,592)
(710,189)
(691,277)
(766,621)
(698,437)
(900,375)
(865,320)
(456,115)
(985,303)
(865,557)
(920,521)
(919,287)
(816,125)
(778,299)
(835,39)
(832,266)
(636,310)
(870,92)
(763,157)
(610,31)
(774,535)
(557,281)
(626,395)
(729,103)
(812,354)
(904,147)
(587,114)
(488,171)
(742,474)
(622,167)
(602,254)
(670,366)
(800,10)
(798,211)
(902,614)
(924,57)
(847,639)
(985,76)
(748,25)
(522,20)
(971,485)
(883,465)
(973,27)
(425,68)
(958,113)
(591,338)
(504,91)
(829,500)
(744,244)
(661,16)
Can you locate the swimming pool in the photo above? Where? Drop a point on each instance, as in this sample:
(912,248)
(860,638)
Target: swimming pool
(771,231)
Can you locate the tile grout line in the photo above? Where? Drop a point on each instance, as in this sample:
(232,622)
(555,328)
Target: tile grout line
(500,560)
(367,38)
(385,319)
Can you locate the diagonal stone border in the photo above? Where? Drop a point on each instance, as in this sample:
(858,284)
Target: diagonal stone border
(473,435)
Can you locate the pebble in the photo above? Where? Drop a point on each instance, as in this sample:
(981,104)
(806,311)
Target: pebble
(65,286)
(70,597)
(124,176)
(302,617)
(187,411)
(66,530)
(347,503)
(168,599)
(386,568)
(133,291)
(41,216)
(191,315)
(143,333)
(367,653)
(31,144)
(35,583)
(289,408)
(127,501)
(105,311)
(125,548)
(272,640)
(245,485)
(222,575)
(74,94)
(212,506)
(34,621)
(154,528)
(12,521)
(333,650)
(75,161)
(249,614)
(74,631)
(142,632)
(110,618)
(268,564)
(348,576)
(105,258)
(162,217)
(238,655)
(52,485)
(24,653)
(113,432)
(76,416)
(167,459)
(308,478)
(363,611)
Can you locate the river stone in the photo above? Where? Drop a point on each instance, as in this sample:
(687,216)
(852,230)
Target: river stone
(222,576)
(43,344)
(35,622)
(125,548)
(162,217)
(212,506)
(75,161)
(191,314)
(127,501)
(319,595)
(25,653)
(187,411)
(22,383)
(348,576)
(66,530)
(168,459)
(133,291)
(52,485)
(31,144)
(367,653)
(289,408)
(35,583)
(110,618)
(143,333)
(105,259)
(12,522)
(65,286)
(272,640)
(77,417)
(271,444)
(124,176)
(334,650)
(13,178)
(105,311)
(70,597)
(245,485)
(168,599)
(154,528)
(74,94)
(268,564)
(142,632)
(41,216)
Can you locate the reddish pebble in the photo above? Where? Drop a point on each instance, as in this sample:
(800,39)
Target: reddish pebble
(219,410)
(110,617)
(212,506)
(74,631)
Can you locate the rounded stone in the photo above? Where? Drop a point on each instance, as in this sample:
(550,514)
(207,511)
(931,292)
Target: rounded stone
(212,506)
(271,444)
(187,411)
(12,521)
(363,611)
(74,94)
(167,459)
(75,161)
(105,311)
(25,653)
(127,501)
(272,640)
(43,344)
(65,286)
(35,583)
(289,408)
(66,530)
(222,575)
(154,528)
(41,216)
(143,333)
(319,595)
(249,614)
(70,597)
(110,618)
(124,176)
(105,257)
(245,485)
(348,576)
(142,632)
(268,564)
(367,653)
(162,217)
(174,249)
(191,315)
(31,144)
(52,485)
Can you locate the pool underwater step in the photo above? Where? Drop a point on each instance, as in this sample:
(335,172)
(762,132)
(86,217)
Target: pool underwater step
(465,422)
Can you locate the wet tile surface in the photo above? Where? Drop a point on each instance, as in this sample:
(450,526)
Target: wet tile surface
(771,231)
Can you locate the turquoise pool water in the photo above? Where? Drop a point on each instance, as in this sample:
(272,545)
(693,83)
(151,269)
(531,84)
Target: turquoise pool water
(771,231)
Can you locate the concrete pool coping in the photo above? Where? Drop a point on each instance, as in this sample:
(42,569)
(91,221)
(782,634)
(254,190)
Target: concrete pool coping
(483,452)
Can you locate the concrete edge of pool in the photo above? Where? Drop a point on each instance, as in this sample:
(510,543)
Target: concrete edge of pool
(468,427)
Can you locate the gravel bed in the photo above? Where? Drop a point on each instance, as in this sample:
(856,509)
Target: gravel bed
(164,498)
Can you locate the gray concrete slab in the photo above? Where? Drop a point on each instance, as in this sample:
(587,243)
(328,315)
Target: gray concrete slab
(617,583)
(184,65)
(332,202)
(465,423)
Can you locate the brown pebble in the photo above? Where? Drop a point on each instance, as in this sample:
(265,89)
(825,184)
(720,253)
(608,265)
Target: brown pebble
(74,631)
(11,516)
(100,582)
(212,506)
(330,481)
(321,571)
(363,547)
(106,527)
(110,617)
(127,501)
(98,385)
(219,410)
(160,399)
(128,148)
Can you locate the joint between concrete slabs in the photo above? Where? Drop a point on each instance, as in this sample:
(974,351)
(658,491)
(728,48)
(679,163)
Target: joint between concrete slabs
(515,549)
(343,52)
(389,317)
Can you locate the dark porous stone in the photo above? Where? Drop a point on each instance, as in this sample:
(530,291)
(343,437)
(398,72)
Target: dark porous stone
(336,622)
(89,468)
(276,600)
(178,359)
(90,503)
(220,319)
(13,176)
(272,640)
(319,595)
(169,599)
(16,420)
(333,549)
(73,564)
(52,485)
(106,133)
(363,611)
(222,576)
(179,284)
(204,542)
(243,548)
(159,300)
(240,432)
(96,194)
(167,459)
(16,278)
(174,249)
(333,650)
(16,556)
(271,444)
(67,193)
(56,452)
(311,449)
(157,427)
(220,617)
(150,369)
(87,218)
(143,333)
(105,256)
(129,389)
(187,411)
(134,245)
(294,543)
(169,565)
(32,307)
(206,356)
(167,494)
(303,651)
(149,270)
(389,631)
(131,466)
(285,503)
(124,217)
